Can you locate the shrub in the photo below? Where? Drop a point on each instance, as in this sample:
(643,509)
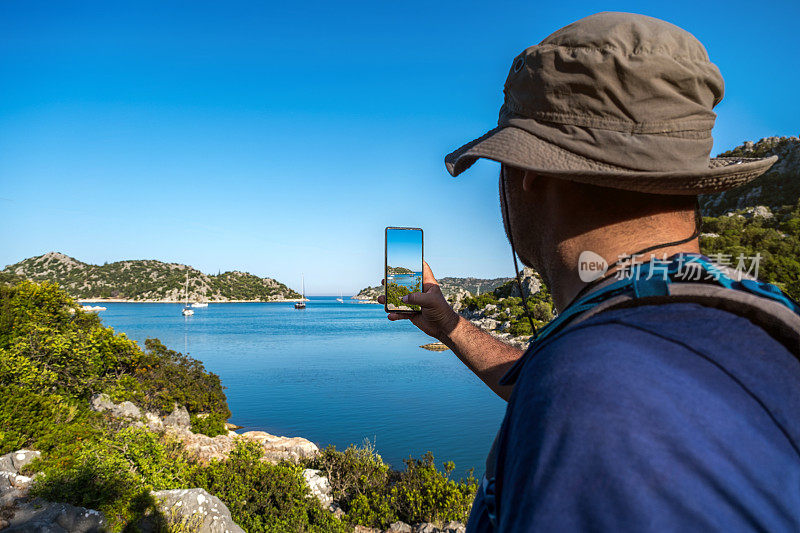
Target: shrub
(212,424)
(373,494)
(265,497)
(169,377)
(424,494)
(114,473)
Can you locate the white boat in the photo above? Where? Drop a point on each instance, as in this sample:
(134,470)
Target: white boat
(302,303)
(200,304)
(93,308)
(340,299)
(186,311)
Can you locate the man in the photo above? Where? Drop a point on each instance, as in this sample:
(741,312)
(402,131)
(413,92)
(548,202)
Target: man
(649,404)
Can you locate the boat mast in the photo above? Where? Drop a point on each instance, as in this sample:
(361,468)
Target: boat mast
(186,290)
(303,283)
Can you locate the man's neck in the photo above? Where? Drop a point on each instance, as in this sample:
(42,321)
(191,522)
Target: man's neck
(563,270)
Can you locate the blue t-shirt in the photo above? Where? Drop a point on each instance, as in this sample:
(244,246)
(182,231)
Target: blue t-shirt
(672,417)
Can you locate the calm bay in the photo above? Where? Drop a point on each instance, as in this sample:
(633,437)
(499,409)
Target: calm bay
(334,373)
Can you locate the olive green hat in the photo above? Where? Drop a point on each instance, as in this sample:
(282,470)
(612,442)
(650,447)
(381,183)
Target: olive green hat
(617,100)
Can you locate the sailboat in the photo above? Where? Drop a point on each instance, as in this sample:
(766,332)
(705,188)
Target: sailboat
(302,303)
(340,299)
(186,311)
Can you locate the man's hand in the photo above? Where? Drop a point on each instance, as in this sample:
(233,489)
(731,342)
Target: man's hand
(435,318)
(488,357)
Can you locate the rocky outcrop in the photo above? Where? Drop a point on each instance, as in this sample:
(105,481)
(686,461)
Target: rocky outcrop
(435,347)
(488,318)
(319,486)
(179,418)
(102,402)
(19,513)
(425,527)
(777,187)
(202,447)
(190,510)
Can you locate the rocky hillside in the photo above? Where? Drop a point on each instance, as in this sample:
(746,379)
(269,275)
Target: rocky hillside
(777,188)
(146,280)
(451,287)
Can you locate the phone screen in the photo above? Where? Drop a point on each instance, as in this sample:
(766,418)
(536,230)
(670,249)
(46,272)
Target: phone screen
(403,271)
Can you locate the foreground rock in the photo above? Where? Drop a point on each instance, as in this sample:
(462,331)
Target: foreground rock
(18,513)
(190,510)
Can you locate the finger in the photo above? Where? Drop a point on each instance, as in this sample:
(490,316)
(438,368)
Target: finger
(398,316)
(422,299)
(427,277)
(381,299)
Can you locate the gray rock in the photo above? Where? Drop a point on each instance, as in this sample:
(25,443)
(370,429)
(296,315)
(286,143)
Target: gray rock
(11,497)
(426,527)
(153,421)
(21,458)
(14,461)
(179,418)
(337,511)
(399,527)
(195,510)
(319,486)
(761,211)
(101,402)
(488,324)
(39,516)
(454,527)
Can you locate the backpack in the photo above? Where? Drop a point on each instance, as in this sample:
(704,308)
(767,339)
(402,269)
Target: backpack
(686,278)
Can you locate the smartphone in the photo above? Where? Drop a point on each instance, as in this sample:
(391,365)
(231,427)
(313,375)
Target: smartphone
(402,268)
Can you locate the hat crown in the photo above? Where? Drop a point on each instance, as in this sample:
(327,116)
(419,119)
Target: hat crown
(617,71)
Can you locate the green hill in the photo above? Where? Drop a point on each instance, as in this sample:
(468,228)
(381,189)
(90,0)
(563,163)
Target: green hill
(140,280)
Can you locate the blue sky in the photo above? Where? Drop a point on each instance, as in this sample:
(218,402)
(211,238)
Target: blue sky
(404,248)
(282,138)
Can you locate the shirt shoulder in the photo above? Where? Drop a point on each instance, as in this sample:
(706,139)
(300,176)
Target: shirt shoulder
(619,420)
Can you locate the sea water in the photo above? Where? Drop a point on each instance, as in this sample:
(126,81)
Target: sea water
(334,373)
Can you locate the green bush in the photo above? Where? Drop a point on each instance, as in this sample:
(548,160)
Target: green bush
(48,345)
(424,494)
(373,494)
(114,472)
(169,377)
(212,424)
(265,497)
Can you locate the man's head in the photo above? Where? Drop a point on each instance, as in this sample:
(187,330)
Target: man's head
(608,121)
(551,221)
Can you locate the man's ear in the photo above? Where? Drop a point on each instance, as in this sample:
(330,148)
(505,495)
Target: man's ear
(528,181)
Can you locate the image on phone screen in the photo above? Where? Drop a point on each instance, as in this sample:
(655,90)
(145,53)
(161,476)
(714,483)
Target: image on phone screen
(403,267)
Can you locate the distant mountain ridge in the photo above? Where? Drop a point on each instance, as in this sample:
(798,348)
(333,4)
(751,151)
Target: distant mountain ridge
(146,280)
(778,187)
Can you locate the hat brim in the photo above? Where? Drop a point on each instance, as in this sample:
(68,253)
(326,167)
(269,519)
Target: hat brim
(521,149)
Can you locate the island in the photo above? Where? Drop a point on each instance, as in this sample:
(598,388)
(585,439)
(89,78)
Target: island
(147,281)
